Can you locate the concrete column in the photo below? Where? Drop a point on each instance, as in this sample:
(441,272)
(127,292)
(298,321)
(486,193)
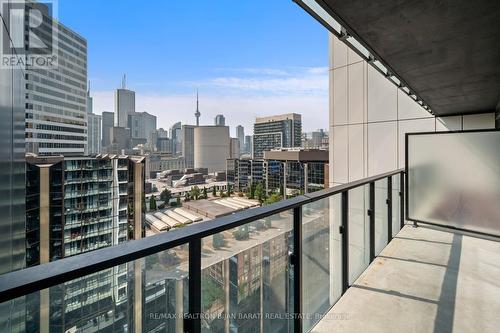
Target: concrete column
(179,305)
(306,170)
(44,214)
(44,243)
(225,268)
(137,295)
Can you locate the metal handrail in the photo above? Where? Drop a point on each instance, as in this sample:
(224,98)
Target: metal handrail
(22,282)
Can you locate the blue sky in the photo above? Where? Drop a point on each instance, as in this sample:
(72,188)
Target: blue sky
(247,58)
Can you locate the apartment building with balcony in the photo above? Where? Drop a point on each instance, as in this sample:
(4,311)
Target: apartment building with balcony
(77,205)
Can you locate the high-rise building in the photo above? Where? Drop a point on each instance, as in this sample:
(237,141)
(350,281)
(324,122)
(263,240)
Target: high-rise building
(211,147)
(108,121)
(234,148)
(187,144)
(141,124)
(281,131)
(93,128)
(220,120)
(240,134)
(248,144)
(12,170)
(175,135)
(76,205)
(56,98)
(124,105)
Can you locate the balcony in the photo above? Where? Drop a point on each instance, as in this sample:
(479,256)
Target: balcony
(340,259)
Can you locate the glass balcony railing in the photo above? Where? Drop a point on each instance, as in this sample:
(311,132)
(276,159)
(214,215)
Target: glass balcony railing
(277,268)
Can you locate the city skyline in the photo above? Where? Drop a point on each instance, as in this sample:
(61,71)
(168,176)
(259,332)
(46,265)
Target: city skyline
(240,72)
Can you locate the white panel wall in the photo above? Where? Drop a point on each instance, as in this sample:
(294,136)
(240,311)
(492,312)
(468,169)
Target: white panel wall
(369,117)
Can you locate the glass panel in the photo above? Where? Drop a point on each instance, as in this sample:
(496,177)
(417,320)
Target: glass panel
(396,208)
(454,179)
(315,7)
(246,277)
(381,215)
(359,231)
(148,294)
(321,258)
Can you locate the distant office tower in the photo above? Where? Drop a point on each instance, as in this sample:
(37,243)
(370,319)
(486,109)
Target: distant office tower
(55,99)
(240,134)
(248,144)
(164,145)
(211,147)
(120,140)
(281,131)
(93,134)
(197,114)
(175,135)
(234,148)
(124,105)
(141,124)
(317,138)
(93,129)
(220,120)
(187,144)
(79,204)
(108,121)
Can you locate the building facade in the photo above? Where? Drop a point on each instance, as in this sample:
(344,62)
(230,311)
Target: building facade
(141,124)
(370,115)
(124,106)
(108,121)
(176,136)
(211,147)
(55,99)
(292,171)
(220,120)
(281,131)
(94,134)
(76,205)
(240,134)
(187,144)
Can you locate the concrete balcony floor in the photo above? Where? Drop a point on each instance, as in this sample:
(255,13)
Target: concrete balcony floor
(425,280)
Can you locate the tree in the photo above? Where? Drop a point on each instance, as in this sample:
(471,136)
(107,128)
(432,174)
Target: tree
(195,192)
(205,195)
(178,200)
(229,189)
(166,195)
(218,241)
(214,191)
(186,197)
(154,189)
(260,193)
(251,191)
(221,193)
(152,203)
(273,198)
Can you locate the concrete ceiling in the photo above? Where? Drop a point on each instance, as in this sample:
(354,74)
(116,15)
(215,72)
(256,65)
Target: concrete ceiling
(448,51)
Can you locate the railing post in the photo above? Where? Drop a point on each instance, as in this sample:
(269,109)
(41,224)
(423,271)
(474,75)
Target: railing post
(297,269)
(389,209)
(371,214)
(194,322)
(402,201)
(344,230)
